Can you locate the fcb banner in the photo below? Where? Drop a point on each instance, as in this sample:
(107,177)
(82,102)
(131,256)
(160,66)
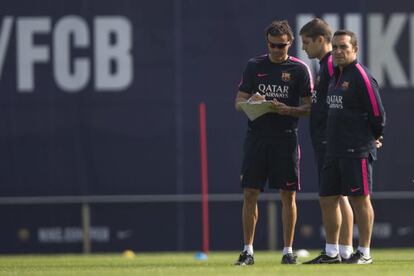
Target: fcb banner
(87,98)
(100,97)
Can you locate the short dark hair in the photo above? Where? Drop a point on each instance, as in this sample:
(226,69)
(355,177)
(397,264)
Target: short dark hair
(277,28)
(317,27)
(352,35)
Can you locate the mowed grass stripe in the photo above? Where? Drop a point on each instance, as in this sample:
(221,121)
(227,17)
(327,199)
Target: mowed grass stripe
(386,262)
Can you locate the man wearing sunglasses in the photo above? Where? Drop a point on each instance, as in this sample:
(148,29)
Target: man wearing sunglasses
(271,150)
(316,38)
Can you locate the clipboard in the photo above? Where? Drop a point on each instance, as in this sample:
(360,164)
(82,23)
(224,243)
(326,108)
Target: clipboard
(254,110)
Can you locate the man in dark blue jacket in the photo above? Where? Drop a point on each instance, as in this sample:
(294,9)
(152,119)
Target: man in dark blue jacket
(356,120)
(316,38)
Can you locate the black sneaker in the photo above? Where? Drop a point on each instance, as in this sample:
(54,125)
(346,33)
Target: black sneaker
(245,259)
(289,258)
(358,258)
(325,259)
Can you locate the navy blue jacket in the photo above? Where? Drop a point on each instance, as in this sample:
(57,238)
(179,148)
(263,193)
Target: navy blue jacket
(319,107)
(356,116)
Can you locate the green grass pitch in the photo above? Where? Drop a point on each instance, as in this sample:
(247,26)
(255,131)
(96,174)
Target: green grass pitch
(386,262)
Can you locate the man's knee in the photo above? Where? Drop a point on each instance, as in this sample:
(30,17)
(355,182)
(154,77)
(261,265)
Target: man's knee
(345,206)
(251,195)
(288,198)
(360,200)
(329,202)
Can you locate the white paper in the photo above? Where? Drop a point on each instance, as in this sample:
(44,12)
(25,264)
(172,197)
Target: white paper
(254,110)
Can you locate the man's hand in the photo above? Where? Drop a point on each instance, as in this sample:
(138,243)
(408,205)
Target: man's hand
(241,97)
(295,111)
(256,97)
(280,107)
(378,142)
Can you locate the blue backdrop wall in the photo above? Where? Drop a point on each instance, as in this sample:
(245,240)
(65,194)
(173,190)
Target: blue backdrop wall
(101,98)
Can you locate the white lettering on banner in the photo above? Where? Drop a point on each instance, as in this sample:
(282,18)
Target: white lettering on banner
(72,234)
(112,46)
(382,56)
(27,52)
(382,38)
(76,28)
(119,53)
(382,230)
(379,231)
(411,43)
(6,27)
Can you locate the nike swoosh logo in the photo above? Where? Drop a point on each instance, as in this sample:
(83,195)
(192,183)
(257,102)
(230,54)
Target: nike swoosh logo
(261,75)
(123,234)
(355,189)
(328,261)
(290,183)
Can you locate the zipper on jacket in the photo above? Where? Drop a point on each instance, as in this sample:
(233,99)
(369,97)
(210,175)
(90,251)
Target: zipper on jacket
(339,78)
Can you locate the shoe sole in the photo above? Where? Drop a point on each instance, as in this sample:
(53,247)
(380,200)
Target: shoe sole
(365,262)
(242,264)
(336,262)
(359,262)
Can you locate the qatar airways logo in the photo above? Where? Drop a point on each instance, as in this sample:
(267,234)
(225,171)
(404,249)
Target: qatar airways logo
(334,102)
(314,97)
(274,90)
(386,43)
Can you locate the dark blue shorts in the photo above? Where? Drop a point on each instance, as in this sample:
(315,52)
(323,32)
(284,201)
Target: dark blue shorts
(346,176)
(272,160)
(320,160)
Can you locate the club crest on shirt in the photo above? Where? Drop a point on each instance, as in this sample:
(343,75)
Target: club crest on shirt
(286,76)
(345,85)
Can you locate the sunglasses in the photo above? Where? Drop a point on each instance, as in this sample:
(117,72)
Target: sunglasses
(277,45)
